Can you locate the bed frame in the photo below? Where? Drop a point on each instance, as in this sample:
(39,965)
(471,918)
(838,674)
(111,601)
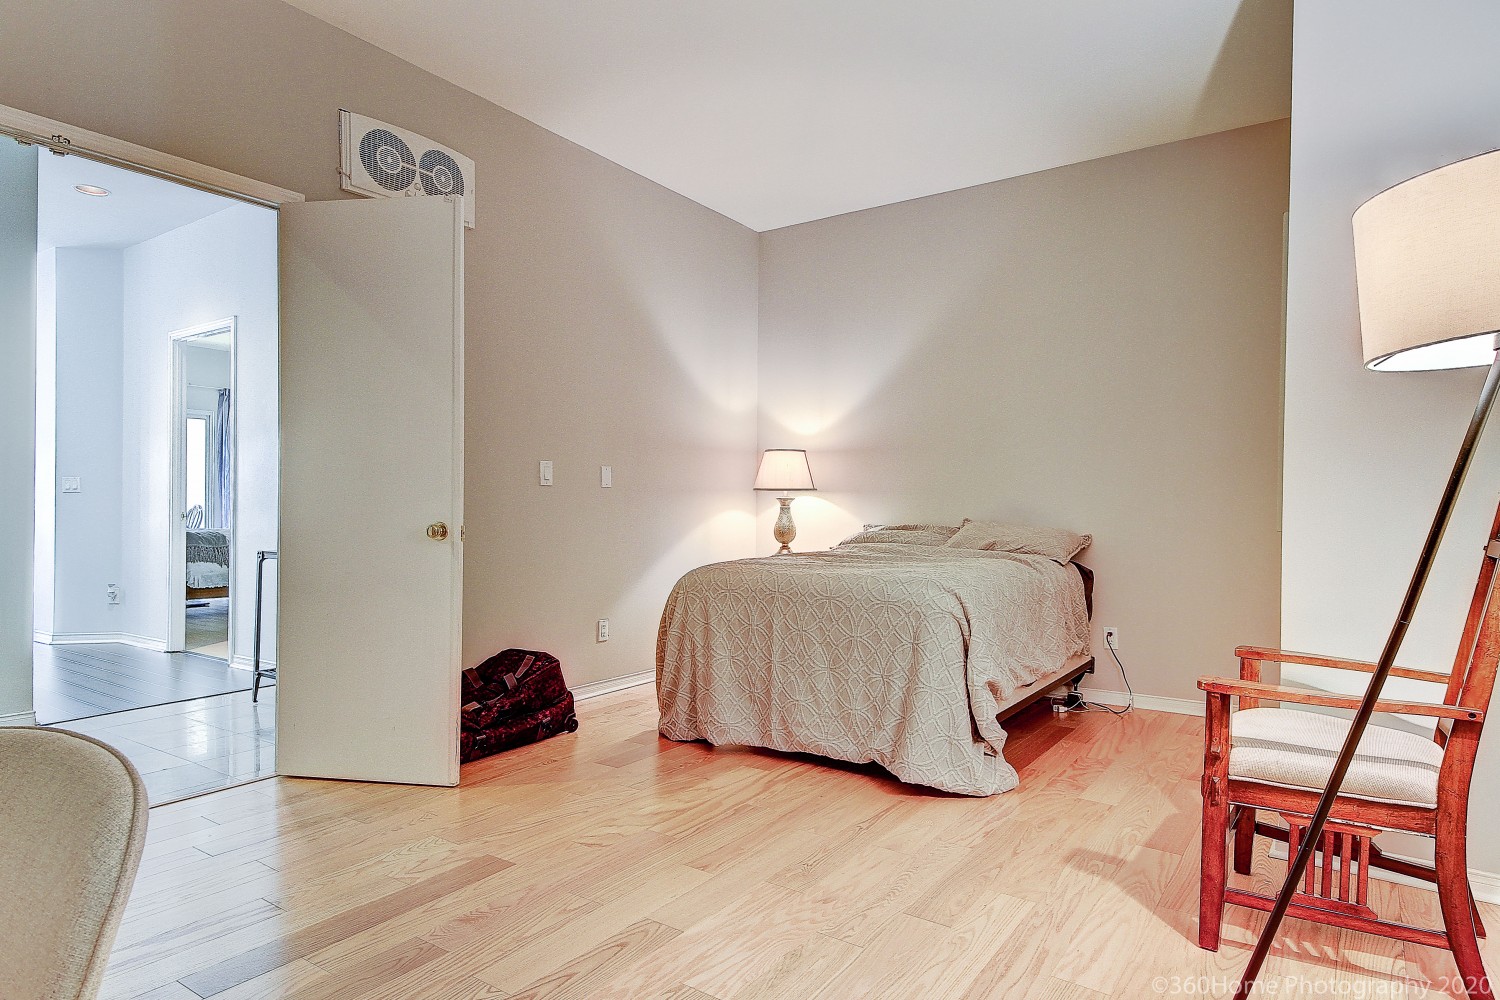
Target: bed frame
(1069,674)
(206,593)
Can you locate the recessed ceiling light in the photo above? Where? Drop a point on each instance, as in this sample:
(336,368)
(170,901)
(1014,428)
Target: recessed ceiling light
(92,190)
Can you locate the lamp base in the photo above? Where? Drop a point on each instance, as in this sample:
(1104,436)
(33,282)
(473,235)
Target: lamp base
(785,530)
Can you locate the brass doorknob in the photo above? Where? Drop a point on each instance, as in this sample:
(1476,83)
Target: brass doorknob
(437,532)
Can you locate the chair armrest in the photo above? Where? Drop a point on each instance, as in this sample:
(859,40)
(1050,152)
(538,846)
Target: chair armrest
(1263,654)
(1327,699)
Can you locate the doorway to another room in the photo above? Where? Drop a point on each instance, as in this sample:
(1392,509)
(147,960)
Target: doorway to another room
(359,358)
(157,462)
(201,473)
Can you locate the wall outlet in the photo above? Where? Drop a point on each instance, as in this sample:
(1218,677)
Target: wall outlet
(544,474)
(606,476)
(72,484)
(112,593)
(1112,637)
(603,630)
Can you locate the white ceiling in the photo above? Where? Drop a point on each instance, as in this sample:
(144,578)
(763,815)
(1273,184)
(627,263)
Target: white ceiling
(139,207)
(775,112)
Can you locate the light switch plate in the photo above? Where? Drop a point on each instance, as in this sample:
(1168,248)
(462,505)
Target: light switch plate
(72,484)
(606,476)
(545,475)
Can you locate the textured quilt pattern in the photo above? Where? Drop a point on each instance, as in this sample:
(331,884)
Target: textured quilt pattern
(896,654)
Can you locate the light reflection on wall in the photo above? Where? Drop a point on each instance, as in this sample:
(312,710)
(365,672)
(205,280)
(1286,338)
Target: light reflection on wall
(725,535)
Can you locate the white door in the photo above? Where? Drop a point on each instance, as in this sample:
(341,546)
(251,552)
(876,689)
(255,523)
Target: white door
(371,456)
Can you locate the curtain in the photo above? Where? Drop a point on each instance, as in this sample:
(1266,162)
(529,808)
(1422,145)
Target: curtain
(222,489)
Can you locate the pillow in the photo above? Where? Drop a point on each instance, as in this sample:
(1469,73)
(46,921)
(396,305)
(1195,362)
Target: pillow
(1054,543)
(903,534)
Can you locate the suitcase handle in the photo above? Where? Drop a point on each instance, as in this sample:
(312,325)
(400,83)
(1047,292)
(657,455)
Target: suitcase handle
(512,679)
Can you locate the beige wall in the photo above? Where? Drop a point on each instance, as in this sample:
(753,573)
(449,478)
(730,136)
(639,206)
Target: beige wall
(1379,95)
(609,321)
(1096,347)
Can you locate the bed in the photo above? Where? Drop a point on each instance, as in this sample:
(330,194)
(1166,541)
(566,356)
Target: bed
(896,647)
(207,563)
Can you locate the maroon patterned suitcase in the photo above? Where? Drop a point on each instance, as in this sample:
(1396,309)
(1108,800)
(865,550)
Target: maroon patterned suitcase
(516,697)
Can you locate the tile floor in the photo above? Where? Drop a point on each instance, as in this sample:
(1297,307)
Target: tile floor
(193,747)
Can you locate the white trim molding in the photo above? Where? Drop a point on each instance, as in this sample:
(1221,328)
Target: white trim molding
(1486,885)
(583,692)
(92,638)
(18,719)
(243,662)
(176,538)
(65,139)
(1147,702)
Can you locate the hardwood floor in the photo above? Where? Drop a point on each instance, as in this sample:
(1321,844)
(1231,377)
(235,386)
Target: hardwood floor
(76,681)
(610,863)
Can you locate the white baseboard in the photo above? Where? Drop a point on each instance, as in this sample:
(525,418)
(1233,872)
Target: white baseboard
(45,638)
(1147,702)
(92,638)
(585,691)
(242,662)
(143,641)
(1486,885)
(18,719)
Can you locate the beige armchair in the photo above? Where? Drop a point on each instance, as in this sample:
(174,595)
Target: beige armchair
(73,815)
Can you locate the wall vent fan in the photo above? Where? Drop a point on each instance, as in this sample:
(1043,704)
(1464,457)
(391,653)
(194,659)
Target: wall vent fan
(383,161)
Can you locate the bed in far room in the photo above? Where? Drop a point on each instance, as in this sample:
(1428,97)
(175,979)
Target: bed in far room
(904,645)
(207,563)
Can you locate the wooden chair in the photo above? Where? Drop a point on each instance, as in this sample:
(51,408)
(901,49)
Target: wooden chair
(1279,760)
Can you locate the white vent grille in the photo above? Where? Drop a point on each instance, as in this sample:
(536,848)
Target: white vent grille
(383,161)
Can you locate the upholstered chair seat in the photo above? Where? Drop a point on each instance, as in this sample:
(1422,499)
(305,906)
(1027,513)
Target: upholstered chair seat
(1297,749)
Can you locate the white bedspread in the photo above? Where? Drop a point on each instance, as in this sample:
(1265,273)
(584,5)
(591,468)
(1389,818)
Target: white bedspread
(897,654)
(202,575)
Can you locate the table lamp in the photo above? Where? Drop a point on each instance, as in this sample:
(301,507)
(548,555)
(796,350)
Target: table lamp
(1427,259)
(784,471)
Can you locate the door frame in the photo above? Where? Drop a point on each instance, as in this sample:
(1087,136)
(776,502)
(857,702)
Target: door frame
(177,476)
(70,140)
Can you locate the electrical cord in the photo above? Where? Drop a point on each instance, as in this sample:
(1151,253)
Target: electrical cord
(1091,706)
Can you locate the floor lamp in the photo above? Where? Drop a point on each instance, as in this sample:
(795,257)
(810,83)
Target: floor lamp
(1427,257)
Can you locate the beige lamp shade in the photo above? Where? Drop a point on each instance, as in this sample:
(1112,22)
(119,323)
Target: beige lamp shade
(1427,257)
(784,470)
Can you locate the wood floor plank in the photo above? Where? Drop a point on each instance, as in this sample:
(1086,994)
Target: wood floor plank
(588,975)
(301,943)
(277,984)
